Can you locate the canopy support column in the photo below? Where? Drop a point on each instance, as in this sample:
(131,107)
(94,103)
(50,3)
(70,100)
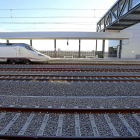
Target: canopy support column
(120,49)
(31,42)
(79,48)
(96,45)
(103,48)
(55,48)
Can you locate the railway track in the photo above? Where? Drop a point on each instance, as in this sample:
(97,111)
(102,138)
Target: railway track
(70,69)
(68,78)
(50,123)
(68,123)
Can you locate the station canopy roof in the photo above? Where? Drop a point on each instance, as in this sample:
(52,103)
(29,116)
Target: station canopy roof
(64,35)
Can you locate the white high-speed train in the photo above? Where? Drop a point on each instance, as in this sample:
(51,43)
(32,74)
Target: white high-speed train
(20,52)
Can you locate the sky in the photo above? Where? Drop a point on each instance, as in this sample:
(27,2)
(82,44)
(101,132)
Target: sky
(44,15)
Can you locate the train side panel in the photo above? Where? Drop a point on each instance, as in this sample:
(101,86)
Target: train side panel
(20,52)
(7,52)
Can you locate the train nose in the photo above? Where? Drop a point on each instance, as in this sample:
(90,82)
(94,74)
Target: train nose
(48,58)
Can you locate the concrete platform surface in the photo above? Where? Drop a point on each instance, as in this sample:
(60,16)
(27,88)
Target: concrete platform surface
(95,60)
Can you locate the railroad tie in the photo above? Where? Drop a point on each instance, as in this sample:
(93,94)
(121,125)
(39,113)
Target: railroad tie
(112,128)
(136,117)
(93,124)
(77,125)
(43,125)
(22,131)
(60,124)
(130,129)
(10,124)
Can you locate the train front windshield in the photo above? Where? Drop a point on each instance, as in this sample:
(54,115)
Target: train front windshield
(28,47)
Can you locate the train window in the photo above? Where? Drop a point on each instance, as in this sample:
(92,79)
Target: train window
(40,54)
(28,48)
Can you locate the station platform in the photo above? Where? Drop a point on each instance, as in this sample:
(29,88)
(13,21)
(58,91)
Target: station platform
(95,60)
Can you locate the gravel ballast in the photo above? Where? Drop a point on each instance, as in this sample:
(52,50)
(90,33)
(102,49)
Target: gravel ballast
(37,88)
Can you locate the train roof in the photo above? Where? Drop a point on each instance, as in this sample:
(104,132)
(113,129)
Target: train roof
(14,44)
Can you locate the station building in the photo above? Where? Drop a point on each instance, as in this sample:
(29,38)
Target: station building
(122,17)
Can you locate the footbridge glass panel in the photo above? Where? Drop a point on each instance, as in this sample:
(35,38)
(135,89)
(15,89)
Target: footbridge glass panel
(133,3)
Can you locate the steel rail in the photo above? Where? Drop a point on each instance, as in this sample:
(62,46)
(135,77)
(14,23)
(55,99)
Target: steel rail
(66,78)
(69,69)
(15,137)
(75,76)
(70,110)
(69,80)
(58,68)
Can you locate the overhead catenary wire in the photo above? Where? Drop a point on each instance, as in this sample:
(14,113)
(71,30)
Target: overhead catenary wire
(24,17)
(53,9)
(77,23)
(53,17)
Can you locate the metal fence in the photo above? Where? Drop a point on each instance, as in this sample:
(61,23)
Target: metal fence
(99,54)
(74,54)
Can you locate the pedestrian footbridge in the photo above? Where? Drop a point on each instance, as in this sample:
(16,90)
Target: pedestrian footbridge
(123,14)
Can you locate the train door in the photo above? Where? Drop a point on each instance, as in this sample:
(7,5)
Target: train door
(18,51)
